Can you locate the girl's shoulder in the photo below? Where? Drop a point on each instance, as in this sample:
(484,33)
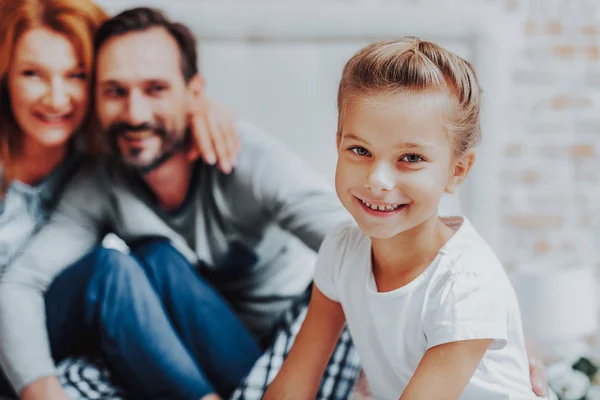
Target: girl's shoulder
(345,249)
(468,252)
(347,235)
(344,242)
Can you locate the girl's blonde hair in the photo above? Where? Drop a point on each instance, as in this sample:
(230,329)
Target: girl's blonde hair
(76,19)
(410,65)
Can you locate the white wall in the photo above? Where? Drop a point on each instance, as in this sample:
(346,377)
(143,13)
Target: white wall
(278,64)
(289,88)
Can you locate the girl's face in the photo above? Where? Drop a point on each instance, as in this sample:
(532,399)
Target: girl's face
(395,161)
(48,88)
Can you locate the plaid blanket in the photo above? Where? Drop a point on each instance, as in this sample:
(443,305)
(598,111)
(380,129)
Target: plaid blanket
(85,378)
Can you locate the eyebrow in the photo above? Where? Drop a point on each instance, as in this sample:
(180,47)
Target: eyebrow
(110,82)
(157,81)
(32,63)
(114,82)
(352,136)
(412,146)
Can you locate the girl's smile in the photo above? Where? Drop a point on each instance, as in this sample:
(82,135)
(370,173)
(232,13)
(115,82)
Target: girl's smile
(379,209)
(395,161)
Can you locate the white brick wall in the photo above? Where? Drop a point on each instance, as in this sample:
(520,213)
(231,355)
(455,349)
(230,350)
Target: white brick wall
(550,168)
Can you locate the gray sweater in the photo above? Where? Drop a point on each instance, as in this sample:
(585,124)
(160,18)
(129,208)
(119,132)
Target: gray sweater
(256,231)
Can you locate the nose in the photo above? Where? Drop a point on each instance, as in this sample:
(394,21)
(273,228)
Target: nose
(57,97)
(381,178)
(138,109)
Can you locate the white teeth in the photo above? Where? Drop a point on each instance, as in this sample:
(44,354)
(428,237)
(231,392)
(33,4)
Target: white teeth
(52,118)
(388,207)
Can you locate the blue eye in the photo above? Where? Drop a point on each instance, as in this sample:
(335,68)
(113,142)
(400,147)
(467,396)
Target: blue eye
(411,158)
(360,151)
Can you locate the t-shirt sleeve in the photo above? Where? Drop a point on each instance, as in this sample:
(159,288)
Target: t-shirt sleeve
(328,265)
(469,305)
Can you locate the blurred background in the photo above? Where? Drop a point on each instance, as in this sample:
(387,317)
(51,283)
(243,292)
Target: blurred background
(535,189)
(278,63)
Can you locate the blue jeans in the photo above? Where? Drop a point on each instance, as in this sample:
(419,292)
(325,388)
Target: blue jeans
(164,330)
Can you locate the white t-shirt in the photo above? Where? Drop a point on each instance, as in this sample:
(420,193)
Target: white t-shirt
(464,294)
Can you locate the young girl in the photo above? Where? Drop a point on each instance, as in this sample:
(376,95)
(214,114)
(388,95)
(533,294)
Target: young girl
(429,307)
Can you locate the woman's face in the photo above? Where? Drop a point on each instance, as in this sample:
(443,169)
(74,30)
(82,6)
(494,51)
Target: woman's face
(48,88)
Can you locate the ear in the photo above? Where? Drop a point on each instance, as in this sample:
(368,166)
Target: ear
(196,92)
(461,170)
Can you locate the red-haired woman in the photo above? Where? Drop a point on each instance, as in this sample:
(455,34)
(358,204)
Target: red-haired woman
(46,132)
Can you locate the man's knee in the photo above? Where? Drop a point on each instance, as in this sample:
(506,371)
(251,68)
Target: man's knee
(160,257)
(116,281)
(114,269)
(154,248)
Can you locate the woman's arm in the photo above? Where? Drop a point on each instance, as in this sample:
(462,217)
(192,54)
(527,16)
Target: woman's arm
(215,135)
(301,373)
(72,230)
(445,370)
(25,354)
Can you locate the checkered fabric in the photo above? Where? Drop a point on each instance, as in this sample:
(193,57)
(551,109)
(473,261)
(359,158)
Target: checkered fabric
(339,377)
(85,378)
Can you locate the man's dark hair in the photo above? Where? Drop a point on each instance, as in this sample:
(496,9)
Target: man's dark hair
(143,18)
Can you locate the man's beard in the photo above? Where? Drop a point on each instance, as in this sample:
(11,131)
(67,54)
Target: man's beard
(173,142)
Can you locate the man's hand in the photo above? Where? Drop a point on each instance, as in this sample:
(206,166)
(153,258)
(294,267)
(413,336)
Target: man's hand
(215,135)
(537,370)
(47,388)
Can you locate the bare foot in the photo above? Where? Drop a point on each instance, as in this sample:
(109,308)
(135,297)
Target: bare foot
(211,396)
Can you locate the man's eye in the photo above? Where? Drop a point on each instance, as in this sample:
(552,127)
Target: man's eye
(360,151)
(154,90)
(79,75)
(411,158)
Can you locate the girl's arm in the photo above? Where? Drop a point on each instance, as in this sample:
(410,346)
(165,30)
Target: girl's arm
(47,388)
(445,370)
(301,373)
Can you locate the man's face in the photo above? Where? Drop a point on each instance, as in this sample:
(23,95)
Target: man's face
(142,96)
